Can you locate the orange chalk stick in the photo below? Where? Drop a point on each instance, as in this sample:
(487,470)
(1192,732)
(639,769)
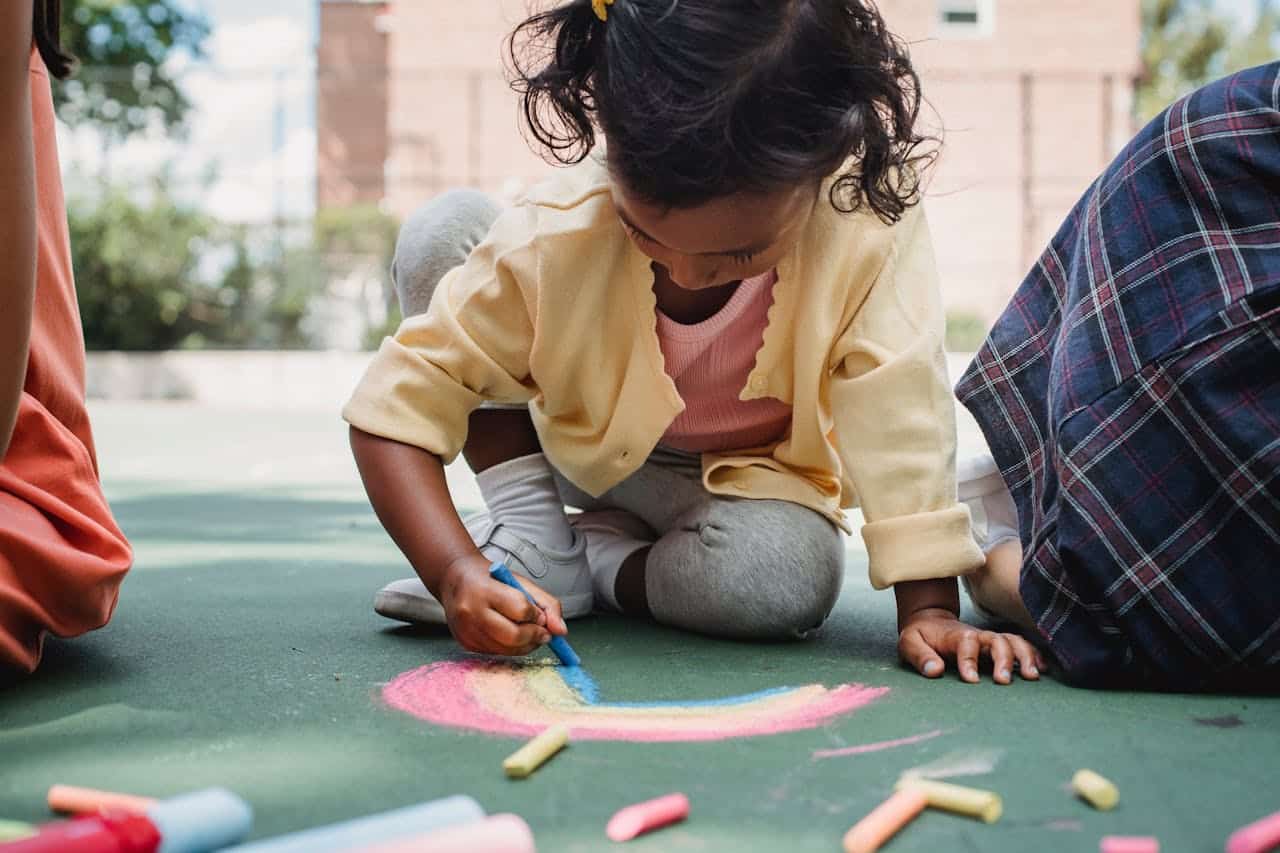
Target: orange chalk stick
(869,834)
(67,799)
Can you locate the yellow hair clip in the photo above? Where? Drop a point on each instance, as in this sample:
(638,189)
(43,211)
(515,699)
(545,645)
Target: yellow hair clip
(601,8)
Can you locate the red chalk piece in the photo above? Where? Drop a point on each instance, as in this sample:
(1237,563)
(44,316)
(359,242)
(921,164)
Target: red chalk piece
(1123,844)
(646,817)
(1256,837)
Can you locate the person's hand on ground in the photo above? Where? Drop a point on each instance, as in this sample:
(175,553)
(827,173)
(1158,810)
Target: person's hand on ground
(933,636)
(489,617)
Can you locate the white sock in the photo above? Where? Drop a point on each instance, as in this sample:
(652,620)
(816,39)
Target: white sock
(612,536)
(991,507)
(521,495)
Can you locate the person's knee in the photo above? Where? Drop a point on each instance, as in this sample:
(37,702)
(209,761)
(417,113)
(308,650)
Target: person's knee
(437,237)
(781,564)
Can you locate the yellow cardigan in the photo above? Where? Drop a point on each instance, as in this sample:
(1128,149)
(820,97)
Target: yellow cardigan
(556,308)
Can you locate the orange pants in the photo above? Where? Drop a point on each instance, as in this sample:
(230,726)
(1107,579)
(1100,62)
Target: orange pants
(62,557)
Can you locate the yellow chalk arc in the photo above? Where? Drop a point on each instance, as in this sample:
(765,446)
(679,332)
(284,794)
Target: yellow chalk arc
(970,802)
(535,753)
(1100,792)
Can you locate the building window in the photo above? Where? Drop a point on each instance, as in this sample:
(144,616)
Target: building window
(966,18)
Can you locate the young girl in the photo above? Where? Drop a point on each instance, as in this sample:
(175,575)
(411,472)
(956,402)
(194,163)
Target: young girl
(719,329)
(62,557)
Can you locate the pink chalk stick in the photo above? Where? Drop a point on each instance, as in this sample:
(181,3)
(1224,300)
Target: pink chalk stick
(503,833)
(1256,837)
(648,816)
(1129,844)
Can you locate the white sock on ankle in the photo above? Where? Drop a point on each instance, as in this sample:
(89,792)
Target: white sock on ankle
(521,495)
(612,536)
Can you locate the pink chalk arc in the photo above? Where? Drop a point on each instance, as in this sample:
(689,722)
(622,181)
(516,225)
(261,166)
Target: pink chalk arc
(524,699)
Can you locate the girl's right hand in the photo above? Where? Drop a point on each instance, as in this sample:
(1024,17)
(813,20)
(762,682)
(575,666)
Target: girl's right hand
(489,617)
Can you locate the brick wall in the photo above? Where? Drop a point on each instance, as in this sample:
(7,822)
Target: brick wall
(352,105)
(1031,109)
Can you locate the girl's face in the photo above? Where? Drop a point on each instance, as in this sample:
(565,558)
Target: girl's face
(720,242)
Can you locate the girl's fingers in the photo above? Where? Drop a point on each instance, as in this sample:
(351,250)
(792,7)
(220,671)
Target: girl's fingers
(512,604)
(1001,651)
(551,607)
(968,649)
(916,651)
(1028,660)
(507,638)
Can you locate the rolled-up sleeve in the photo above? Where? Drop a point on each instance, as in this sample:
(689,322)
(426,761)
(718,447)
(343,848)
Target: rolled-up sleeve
(471,345)
(895,420)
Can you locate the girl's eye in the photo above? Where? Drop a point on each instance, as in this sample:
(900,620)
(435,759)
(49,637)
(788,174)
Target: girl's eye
(740,258)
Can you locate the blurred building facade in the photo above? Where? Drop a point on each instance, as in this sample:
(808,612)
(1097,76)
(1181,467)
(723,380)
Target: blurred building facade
(1033,97)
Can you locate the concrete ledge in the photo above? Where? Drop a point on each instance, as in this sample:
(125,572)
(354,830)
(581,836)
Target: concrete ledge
(261,380)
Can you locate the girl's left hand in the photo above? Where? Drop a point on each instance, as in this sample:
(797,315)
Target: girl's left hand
(931,636)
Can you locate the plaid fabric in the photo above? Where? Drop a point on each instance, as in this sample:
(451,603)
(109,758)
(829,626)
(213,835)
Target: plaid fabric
(1131,397)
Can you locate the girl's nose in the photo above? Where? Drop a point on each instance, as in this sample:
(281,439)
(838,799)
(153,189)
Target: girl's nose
(692,274)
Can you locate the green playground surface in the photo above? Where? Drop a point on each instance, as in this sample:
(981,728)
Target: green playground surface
(245,654)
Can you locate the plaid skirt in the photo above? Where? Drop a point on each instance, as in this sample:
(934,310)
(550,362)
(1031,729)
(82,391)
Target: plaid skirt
(1130,394)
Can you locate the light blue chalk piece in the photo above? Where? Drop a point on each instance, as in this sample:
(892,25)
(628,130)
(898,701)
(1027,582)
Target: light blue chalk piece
(367,831)
(562,650)
(558,645)
(201,821)
(581,682)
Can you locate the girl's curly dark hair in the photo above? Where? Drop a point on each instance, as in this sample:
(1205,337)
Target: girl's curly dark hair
(699,99)
(46,29)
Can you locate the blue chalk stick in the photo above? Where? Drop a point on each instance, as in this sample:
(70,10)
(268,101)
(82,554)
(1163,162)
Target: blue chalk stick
(201,821)
(367,831)
(567,655)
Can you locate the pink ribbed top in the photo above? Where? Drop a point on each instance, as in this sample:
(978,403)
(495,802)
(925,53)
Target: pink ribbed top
(710,363)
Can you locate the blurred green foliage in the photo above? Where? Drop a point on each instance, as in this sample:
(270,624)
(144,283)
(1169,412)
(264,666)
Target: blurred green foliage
(362,236)
(127,79)
(155,273)
(966,331)
(1188,43)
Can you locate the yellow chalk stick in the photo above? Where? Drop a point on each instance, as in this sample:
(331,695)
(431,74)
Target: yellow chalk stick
(1101,793)
(971,802)
(870,834)
(12,830)
(533,754)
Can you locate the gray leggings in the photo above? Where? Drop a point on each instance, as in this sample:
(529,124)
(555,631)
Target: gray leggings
(730,567)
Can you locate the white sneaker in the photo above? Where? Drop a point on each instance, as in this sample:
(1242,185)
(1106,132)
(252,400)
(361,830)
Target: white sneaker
(563,574)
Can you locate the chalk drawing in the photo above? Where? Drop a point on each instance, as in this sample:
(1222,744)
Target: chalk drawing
(522,699)
(875,747)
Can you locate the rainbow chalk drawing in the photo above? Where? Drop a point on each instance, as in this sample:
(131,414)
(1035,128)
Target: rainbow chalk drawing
(525,699)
